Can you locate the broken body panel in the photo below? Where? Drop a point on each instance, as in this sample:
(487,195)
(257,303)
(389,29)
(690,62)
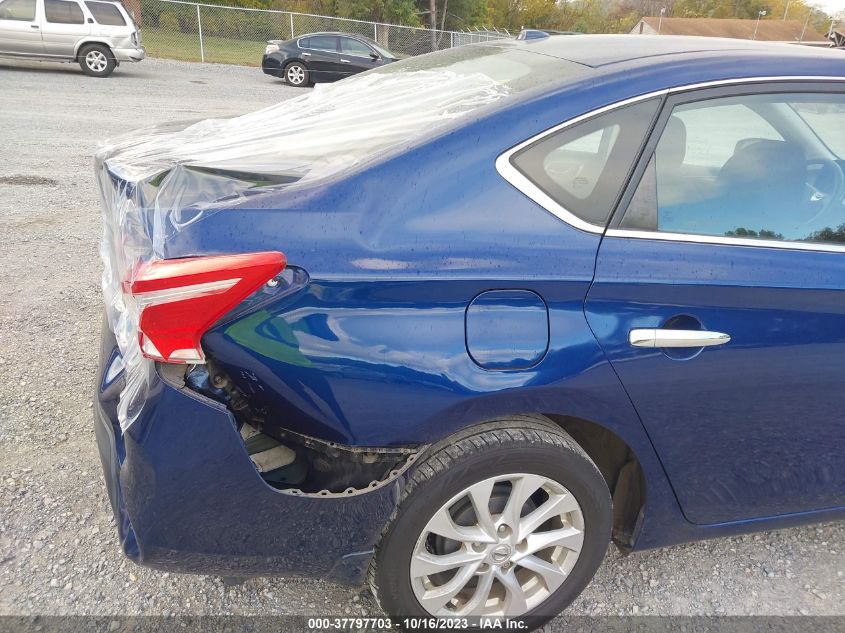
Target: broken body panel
(356,356)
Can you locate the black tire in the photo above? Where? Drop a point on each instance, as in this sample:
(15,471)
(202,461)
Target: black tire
(297,75)
(97,60)
(522,444)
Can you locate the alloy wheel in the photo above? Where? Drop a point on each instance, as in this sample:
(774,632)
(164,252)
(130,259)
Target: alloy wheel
(296,74)
(500,547)
(96,61)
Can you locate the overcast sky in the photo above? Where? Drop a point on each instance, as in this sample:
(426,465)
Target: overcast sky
(833,7)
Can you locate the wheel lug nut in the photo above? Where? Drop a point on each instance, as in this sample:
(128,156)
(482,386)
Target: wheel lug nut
(478,547)
(503,530)
(506,565)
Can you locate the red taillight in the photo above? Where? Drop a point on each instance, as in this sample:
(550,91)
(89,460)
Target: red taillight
(180,299)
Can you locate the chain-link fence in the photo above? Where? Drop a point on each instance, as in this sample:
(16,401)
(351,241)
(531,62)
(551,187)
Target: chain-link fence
(232,35)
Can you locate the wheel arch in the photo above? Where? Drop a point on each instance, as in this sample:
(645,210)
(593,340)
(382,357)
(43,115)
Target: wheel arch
(621,469)
(87,42)
(616,460)
(295,60)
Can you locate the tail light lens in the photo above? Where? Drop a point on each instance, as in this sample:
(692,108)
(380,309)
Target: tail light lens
(180,299)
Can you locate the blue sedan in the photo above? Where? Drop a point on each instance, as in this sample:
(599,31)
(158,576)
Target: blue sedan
(454,325)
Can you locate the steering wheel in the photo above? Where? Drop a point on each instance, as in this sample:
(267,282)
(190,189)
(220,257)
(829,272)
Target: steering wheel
(825,199)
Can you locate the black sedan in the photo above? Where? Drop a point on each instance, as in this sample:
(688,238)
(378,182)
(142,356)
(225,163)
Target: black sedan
(320,57)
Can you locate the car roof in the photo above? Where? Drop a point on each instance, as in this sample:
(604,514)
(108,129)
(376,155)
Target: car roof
(636,50)
(333,33)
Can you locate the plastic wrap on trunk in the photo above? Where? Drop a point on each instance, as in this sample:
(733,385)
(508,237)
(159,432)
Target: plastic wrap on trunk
(155,182)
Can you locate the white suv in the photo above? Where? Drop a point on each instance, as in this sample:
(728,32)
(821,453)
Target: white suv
(98,34)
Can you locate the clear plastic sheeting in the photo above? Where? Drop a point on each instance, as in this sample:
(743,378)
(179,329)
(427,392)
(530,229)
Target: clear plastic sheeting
(157,181)
(317,134)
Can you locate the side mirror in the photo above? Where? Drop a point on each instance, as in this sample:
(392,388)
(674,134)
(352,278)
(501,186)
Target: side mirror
(90,20)
(374,56)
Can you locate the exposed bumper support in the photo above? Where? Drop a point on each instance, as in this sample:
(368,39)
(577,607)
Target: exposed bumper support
(188,498)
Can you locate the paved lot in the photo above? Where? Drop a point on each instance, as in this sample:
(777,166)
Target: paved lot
(58,551)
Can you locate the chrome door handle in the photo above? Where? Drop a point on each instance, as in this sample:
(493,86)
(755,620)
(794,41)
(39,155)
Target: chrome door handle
(344,61)
(306,54)
(659,337)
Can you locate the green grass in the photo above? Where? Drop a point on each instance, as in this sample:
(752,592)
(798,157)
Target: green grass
(186,46)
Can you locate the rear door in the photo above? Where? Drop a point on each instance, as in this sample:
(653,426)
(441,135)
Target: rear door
(719,298)
(356,56)
(20,31)
(63,26)
(320,54)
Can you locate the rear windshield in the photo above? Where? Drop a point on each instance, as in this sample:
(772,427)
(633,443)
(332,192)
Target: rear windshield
(106,13)
(339,125)
(516,69)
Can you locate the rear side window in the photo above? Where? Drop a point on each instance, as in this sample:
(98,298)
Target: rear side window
(23,10)
(63,12)
(105,13)
(321,43)
(583,167)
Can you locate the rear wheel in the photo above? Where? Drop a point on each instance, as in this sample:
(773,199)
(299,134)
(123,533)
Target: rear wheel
(296,74)
(510,519)
(97,60)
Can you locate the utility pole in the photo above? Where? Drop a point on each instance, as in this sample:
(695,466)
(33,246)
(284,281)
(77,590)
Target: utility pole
(660,21)
(433,7)
(785,9)
(760,14)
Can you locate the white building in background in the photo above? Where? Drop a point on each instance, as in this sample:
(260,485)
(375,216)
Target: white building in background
(792,31)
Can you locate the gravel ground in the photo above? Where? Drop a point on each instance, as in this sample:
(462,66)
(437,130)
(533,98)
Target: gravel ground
(58,551)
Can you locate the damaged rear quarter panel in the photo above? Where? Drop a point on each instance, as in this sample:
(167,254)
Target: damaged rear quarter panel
(372,350)
(230,521)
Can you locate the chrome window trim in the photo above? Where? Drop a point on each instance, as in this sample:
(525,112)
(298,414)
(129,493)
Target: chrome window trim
(725,241)
(359,56)
(521,182)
